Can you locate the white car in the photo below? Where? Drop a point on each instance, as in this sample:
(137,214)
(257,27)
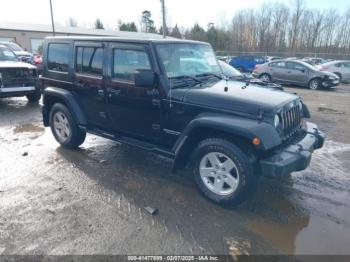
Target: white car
(338,67)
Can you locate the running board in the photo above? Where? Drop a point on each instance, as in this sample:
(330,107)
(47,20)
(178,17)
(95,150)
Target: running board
(132,142)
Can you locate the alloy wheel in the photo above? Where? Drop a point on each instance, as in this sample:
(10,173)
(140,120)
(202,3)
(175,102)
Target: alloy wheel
(219,173)
(61,126)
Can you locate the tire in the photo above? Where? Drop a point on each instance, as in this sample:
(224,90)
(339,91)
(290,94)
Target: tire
(34,97)
(227,187)
(64,128)
(265,77)
(314,84)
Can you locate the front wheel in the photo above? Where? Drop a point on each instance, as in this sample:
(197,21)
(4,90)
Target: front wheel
(223,172)
(64,128)
(34,97)
(315,84)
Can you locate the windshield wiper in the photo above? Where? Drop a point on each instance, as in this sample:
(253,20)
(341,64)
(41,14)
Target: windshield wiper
(183,82)
(210,74)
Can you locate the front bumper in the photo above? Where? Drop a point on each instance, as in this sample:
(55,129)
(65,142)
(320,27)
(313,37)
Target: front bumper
(295,157)
(330,83)
(16,91)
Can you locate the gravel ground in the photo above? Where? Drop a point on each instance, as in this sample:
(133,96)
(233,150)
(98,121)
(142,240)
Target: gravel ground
(91,201)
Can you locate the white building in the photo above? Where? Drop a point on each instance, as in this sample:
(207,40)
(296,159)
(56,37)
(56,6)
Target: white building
(31,36)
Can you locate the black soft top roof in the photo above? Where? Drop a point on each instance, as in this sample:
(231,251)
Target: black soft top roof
(122,39)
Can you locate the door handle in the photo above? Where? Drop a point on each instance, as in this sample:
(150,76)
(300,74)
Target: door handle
(155,102)
(114,91)
(79,84)
(101,92)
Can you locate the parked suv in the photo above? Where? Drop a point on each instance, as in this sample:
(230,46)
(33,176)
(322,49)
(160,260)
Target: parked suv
(17,78)
(140,93)
(246,63)
(296,73)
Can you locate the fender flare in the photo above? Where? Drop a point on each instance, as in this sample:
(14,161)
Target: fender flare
(234,125)
(70,101)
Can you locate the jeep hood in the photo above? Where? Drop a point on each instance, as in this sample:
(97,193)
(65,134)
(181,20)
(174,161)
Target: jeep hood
(15,64)
(248,100)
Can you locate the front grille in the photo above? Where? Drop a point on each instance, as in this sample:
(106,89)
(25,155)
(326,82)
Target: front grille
(291,121)
(17,77)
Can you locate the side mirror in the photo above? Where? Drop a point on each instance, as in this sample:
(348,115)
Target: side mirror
(145,78)
(303,70)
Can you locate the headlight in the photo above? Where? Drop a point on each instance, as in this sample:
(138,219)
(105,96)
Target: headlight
(276,121)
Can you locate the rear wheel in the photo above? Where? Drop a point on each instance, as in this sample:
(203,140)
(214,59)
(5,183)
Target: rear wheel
(64,128)
(223,172)
(315,84)
(265,77)
(34,97)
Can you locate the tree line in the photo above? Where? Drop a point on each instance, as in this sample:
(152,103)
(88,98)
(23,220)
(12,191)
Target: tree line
(273,28)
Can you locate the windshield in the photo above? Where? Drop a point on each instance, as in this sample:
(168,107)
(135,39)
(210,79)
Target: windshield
(14,47)
(7,55)
(188,59)
(311,67)
(230,71)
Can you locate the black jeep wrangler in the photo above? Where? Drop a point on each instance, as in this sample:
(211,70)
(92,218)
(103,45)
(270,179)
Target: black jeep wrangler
(169,97)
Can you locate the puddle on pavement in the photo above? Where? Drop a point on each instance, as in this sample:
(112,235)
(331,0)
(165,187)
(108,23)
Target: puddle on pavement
(299,216)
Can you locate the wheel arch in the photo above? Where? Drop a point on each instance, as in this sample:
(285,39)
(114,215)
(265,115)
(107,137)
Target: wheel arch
(54,95)
(236,130)
(265,73)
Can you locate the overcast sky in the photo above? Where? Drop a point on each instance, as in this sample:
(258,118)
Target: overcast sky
(183,12)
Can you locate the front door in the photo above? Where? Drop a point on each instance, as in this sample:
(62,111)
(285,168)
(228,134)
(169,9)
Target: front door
(134,110)
(89,81)
(297,73)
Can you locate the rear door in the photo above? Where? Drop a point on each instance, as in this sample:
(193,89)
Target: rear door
(278,71)
(89,81)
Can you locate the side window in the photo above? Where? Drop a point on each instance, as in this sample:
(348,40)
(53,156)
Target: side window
(89,60)
(295,66)
(346,64)
(58,57)
(127,62)
(278,64)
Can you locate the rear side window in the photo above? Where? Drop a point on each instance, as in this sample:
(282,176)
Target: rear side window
(58,57)
(278,64)
(127,62)
(89,60)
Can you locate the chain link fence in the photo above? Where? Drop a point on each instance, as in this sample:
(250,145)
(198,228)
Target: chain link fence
(335,56)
